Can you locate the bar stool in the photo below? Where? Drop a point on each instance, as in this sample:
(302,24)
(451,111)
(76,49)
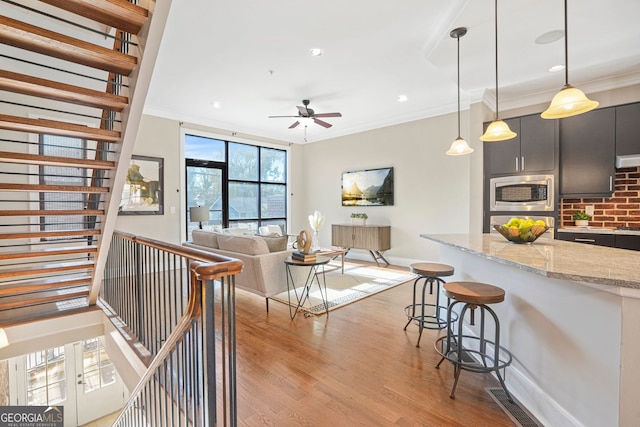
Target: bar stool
(456,346)
(429,316)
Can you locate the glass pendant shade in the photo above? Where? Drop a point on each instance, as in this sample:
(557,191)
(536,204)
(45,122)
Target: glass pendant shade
(459,147)
(570,101)
(498,130)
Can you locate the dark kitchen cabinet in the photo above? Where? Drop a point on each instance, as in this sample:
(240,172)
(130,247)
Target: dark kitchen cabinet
(533,151)
(589,238)
(628,129)
(628,241)
(587,154)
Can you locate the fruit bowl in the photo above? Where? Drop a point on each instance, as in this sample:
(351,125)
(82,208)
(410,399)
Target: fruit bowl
(521,235)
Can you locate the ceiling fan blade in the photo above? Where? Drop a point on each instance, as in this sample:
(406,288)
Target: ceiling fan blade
(321,123)
(303,111)
(327,115)
(294,125)
(278,117)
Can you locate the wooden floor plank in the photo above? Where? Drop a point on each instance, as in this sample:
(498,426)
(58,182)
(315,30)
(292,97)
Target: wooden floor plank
(355,366)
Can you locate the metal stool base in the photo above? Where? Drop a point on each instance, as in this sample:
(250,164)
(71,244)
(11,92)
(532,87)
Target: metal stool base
(472,353)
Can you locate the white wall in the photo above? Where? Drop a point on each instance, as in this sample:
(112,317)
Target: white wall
(431,188)
(159,137)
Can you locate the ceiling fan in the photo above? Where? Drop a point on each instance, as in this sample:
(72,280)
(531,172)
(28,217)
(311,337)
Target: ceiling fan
(304,112)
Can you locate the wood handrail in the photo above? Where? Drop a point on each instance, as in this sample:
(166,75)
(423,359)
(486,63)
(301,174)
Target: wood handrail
(226,265)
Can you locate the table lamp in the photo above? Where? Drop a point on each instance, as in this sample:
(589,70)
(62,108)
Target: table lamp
(199,214)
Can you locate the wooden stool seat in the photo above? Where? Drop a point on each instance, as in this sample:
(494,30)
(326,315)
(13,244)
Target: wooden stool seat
(431,269)
(474,292)
(427,315)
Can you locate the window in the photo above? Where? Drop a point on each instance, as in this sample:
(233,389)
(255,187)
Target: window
(62,146)
(46,377)
(247,187)
(98,370)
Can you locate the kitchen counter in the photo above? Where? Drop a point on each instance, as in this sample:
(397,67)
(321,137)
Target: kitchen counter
(571,319)
(553,258)
(597,230)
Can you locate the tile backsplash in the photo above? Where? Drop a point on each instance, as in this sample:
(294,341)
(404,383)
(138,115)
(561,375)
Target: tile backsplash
(621,210)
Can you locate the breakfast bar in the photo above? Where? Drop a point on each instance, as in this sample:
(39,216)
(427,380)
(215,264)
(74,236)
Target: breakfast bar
(571,319)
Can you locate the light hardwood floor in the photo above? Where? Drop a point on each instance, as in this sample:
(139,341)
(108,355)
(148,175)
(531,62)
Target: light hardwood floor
(354,367)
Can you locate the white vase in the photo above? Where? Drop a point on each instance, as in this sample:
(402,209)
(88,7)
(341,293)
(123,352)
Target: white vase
(582,222)
(358,221)
(315,241)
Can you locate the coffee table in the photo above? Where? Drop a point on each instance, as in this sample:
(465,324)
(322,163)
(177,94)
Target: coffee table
(333,253)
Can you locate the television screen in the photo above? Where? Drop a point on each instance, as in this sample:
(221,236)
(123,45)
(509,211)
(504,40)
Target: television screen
(371,187)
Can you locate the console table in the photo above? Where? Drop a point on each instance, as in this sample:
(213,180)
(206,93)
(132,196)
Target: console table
(374,238)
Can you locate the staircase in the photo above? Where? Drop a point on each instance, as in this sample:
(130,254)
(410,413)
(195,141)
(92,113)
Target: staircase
(69,76)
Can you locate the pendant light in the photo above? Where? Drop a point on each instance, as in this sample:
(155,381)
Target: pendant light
(459,146)
(570,101)
(498,130)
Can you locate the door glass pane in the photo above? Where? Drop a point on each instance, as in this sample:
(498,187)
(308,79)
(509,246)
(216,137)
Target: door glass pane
(202,148)
(273,201)
(46,377)
(57,392)
(97,365)
(37,397)
(91,381)
(204,188)
(272,165)
(243,162)
(243,200)
(90,360)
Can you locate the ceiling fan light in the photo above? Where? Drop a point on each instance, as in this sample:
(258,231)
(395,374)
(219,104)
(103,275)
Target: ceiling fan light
(498,130)
(459,147)
(570,101)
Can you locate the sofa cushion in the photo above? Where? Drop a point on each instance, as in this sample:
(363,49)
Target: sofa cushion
(276,243)
(205,238)
(250,245)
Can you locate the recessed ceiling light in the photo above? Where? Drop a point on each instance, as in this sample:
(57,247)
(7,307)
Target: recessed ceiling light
(550,37)
(402,98)
(555,68)
(216,104)
(316,52)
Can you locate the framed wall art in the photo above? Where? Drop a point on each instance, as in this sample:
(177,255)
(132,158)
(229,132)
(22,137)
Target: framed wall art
(143,189)
(370,187)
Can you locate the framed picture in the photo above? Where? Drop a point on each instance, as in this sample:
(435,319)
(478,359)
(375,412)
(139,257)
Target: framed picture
(370,187)
(143,190)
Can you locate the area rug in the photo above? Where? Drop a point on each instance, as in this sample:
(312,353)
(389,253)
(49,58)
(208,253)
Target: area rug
(357,282)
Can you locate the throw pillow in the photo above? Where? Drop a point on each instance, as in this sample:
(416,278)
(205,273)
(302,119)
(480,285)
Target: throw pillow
(276,243)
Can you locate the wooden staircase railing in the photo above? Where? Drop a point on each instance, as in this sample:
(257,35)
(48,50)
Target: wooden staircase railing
(54,199)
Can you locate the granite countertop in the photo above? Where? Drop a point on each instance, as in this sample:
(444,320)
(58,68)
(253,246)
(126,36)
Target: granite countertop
(597,230)
(553,258)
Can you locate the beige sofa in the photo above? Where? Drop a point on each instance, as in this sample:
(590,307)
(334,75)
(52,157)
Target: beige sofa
(264,270)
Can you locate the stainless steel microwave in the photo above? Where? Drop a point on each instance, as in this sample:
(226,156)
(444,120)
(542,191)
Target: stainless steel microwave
(521,193)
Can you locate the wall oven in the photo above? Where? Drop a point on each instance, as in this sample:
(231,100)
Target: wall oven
(523,193)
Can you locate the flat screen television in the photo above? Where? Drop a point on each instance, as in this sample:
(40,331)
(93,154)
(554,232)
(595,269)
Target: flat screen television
(370,187)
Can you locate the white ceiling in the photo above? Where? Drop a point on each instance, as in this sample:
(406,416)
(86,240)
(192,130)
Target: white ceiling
(252,57)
